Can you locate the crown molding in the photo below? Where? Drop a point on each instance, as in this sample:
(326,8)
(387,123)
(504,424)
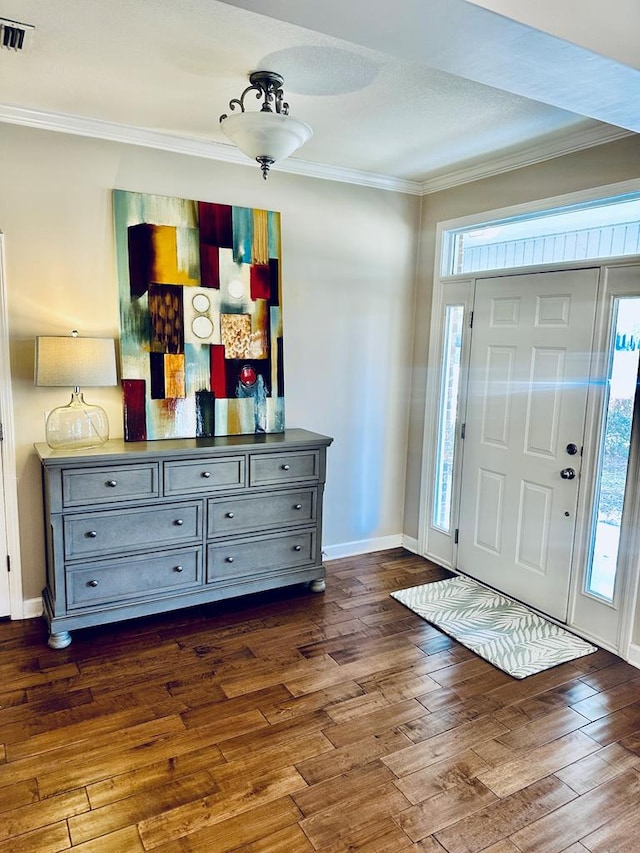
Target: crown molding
(537,152)
(98,129)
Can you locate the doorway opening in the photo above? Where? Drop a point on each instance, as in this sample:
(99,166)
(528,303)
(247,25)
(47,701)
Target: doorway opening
(601,465)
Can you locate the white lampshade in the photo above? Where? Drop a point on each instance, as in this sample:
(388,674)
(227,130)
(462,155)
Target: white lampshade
(75,361)
(269,135)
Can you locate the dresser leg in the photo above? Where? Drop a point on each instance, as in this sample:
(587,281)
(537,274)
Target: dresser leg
(60,640)
(318,585)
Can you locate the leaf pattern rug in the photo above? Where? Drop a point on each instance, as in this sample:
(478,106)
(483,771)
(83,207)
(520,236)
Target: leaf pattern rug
(498,629)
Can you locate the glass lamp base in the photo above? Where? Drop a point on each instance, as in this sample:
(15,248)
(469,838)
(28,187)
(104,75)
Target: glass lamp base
(77,425)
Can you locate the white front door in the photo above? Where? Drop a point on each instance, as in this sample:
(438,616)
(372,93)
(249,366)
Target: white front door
(528,379)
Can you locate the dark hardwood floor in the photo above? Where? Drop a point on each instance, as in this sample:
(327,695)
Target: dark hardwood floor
(294,723)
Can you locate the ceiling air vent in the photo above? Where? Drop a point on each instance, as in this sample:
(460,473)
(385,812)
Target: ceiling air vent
(14,36)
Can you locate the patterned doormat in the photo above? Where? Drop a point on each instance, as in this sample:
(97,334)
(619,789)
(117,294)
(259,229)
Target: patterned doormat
(498,629)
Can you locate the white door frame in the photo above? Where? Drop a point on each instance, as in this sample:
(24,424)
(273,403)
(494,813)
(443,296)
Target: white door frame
(440,546)
(7,448)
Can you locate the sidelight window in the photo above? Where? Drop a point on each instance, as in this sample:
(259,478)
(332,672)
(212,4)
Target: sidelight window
(614,450)
(448,415)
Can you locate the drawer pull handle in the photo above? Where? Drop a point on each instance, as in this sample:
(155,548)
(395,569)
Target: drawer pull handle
(178,569)
(230,514)
(91,534)
(285,467)
(229,560)
(178,522)
(112,483)
(297,547)
(206,474)
(93,583)
(298,506)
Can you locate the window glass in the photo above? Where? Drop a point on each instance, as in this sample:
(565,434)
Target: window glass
(448,415)
(603,229)
(614,455)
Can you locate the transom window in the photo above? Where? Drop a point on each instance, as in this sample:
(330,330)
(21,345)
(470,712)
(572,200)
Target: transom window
(606,228)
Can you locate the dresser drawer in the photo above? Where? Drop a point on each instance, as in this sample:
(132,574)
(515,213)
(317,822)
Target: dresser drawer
(245,513)
(272,553)
(271,469)
(204,475)
(100,583)
(99,533)
(109,485)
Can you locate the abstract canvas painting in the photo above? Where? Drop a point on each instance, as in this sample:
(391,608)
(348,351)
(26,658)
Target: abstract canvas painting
(200,317)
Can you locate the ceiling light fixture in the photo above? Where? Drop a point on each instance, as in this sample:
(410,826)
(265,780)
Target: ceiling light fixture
(270,134)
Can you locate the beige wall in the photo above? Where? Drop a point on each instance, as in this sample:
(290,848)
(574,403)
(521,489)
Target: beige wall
(348,289)
(350,307)
(600,166)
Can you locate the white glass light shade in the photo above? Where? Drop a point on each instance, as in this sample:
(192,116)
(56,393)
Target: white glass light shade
(262,134)
(74,361)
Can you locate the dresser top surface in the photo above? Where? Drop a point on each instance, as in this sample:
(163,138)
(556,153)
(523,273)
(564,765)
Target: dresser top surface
(118,450)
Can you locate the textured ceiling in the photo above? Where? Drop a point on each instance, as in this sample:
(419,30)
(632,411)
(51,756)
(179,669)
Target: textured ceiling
(412,90)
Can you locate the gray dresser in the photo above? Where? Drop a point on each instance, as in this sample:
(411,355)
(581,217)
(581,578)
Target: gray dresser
(134,528)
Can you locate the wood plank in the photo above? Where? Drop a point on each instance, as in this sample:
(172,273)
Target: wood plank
(616,836)
(504,817)
(543,730)
(129,811)
(341,788)
(40,814)
(353,755)
(207,811)
(579,818)
(148,777)
(599,767)
(440,777)
(291,839)
(433,750)
(457,802)
(374,723)
(127,839)
(621,724)
(612,699)
(326,828)
(240,830)
(50,839)
(508,778)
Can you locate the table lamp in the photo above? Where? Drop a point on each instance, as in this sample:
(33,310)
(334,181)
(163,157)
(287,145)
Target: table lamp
(74,361)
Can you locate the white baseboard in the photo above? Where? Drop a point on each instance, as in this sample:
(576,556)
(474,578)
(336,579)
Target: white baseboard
(633,655)
(410,544)
(364,546)
(31,608)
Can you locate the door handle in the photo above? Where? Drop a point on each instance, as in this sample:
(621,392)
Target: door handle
(568,474)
